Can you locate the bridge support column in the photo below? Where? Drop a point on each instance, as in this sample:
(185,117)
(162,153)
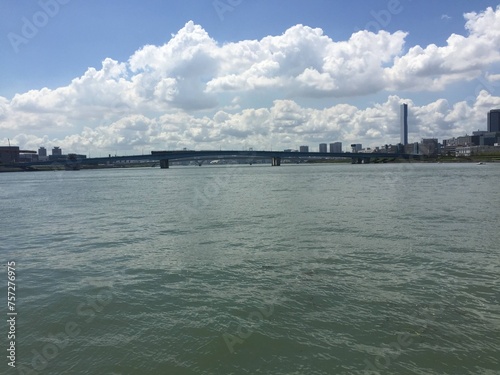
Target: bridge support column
(164,163)
(276,162)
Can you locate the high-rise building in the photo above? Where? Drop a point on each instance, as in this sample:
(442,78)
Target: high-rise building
(416,148)
(336,147)
(42,154)
(356,147)
(323,147)
(56,151)
(429,146)
(404,124)
(494,121)
(304,148)
(9,154)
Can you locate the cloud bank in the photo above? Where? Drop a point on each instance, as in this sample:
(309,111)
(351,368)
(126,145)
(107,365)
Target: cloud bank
(195,92)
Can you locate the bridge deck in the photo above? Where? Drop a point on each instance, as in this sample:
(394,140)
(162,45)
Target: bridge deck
(194,155)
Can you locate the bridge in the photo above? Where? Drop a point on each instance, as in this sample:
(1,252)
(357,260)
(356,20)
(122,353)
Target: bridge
(165,157)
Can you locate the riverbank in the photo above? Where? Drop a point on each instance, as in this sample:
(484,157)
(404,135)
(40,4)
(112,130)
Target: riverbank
(61,167)
(423,159)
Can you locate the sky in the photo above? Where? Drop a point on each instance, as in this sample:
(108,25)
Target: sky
(127,77)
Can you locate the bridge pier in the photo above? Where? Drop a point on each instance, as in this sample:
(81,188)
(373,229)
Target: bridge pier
(361,160)
(276,162)
(364,160)
(164,164)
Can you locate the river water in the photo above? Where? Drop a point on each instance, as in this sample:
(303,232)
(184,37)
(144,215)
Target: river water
(298,269)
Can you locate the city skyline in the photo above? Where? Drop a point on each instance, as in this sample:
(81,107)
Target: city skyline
(488,137)
(198,82)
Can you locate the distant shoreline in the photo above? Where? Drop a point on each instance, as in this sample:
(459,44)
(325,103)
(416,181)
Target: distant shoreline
(424,160)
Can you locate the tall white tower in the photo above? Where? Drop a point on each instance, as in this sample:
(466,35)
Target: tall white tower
(404,124)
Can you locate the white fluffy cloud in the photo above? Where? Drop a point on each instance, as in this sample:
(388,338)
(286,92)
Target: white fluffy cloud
(195,92)
(285,124)
(304,62)
(463,58)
